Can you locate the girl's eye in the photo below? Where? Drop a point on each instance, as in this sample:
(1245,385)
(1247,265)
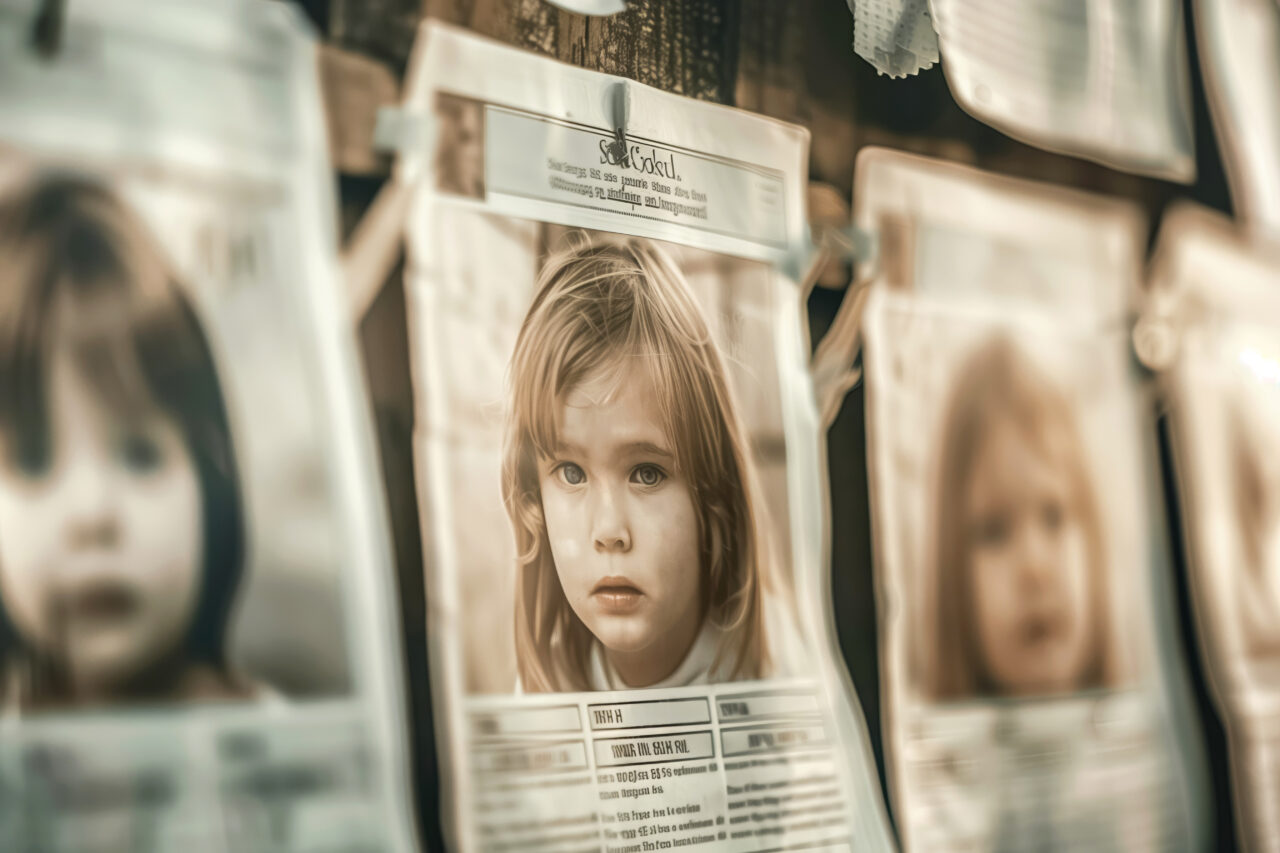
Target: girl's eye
(30,461)
(139,452)
(648,475)
(991,532)
(572,474)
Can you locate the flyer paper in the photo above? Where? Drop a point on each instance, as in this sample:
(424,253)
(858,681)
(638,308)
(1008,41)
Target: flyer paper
(1025,701)
(1239,46)
(1099,79)
(1217,290)
(619,465)
(197,650)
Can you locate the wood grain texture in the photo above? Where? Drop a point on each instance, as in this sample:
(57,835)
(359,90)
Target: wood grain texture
(684,46)
(771,58)
(355,87)
(379,29)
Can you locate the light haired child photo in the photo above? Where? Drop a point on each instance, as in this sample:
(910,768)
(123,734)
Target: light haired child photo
(643,552)
(1018,598)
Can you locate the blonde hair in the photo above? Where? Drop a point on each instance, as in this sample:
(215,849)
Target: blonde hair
(998,383)
(597,307)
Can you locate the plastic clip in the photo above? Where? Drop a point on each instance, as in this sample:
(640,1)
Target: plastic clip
(397,130)
(618,112)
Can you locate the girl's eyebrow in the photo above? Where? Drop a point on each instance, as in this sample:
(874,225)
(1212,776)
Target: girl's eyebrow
(567,448)
(630,448)
(645,448)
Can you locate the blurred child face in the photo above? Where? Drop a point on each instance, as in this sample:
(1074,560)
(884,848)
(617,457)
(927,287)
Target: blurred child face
(1028,566)
(622,525)
(461,149)
(100,546)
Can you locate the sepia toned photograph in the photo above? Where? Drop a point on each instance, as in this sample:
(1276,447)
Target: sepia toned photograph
(1233,481)
(622,519)
(1012,522)
(459,164)
(149,528)
(1013,555)
(1017,584)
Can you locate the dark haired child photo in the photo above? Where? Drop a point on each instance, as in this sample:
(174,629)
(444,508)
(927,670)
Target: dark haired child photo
(122,536)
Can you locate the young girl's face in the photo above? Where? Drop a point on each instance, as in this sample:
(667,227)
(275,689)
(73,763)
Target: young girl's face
(1028,566)
(621,521)
(100,544)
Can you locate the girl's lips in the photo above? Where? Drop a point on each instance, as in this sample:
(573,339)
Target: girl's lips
(99,602)
(617,595)
(1039,629)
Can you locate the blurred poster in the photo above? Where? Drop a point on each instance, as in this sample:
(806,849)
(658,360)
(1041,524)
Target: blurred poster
(1025,702)
(1216,291)
(1239,46)
(619,467)
(197,651)
(1099,79)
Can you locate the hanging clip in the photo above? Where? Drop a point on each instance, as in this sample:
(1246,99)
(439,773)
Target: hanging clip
(397,129)
(46,30)
(1156,331)
(832,366)
(618,111)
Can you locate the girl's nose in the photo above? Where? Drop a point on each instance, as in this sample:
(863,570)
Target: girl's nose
(89,507)
(610,532)
(1035,556)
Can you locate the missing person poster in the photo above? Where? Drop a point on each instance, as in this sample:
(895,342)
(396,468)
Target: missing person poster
(1025,702)
(618,462)
(1215,290)
(197,650)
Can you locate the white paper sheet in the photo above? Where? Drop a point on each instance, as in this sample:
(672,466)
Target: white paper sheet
(1239,43)
(1102,79)
(1028,697)
(1216,290)
(174,156)
(524,182)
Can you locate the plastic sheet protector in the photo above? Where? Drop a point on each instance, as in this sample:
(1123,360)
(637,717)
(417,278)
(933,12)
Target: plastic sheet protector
(1030,691)
(620,469)
(1213,293)
(197,641)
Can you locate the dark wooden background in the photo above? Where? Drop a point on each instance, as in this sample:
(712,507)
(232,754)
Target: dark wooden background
(790,59)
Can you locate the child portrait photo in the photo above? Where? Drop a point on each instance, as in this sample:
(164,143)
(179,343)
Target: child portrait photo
(618,493)
(152,526)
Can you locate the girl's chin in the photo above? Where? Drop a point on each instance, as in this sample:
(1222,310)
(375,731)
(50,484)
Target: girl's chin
(623,639)
(1041,683)
(112,666)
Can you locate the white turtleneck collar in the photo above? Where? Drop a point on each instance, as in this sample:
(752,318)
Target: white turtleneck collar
(694,669)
